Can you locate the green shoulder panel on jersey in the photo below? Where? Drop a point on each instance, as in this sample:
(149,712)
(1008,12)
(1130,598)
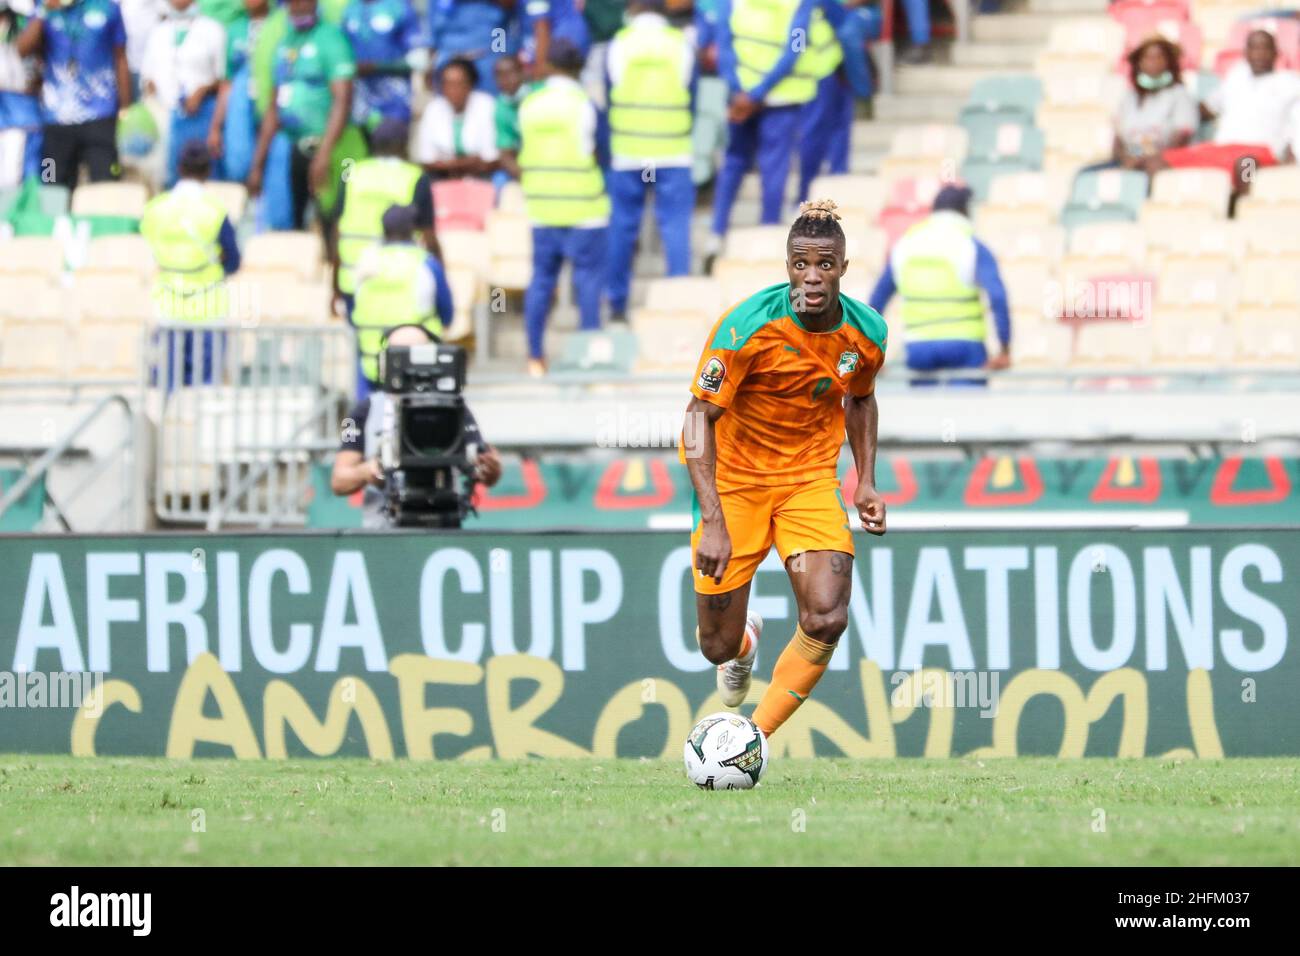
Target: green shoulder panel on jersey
(866,320)
(748,316)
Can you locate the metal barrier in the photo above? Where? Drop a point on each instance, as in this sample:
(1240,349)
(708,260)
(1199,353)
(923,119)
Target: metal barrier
(241,414)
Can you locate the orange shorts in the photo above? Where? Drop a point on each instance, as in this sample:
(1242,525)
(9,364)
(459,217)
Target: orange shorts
(797,518)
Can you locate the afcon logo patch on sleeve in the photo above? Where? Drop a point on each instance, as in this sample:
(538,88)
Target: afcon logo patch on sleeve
(712,375)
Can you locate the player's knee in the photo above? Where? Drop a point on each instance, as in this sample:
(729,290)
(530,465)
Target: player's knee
(717,646)
(824,625)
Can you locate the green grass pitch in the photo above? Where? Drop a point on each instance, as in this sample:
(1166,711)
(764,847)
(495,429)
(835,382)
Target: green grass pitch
(1030,811)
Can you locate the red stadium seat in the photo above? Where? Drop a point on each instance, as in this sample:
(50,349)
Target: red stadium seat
(1127,11)
(1286,32)
(462,203)
(909,202)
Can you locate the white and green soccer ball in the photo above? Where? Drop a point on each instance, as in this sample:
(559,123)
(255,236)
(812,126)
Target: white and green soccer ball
(725,751)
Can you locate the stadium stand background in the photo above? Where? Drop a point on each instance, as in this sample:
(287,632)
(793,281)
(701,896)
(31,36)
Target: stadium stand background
(1202,358)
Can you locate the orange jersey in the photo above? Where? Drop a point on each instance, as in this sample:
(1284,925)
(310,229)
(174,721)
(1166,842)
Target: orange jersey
(783,387)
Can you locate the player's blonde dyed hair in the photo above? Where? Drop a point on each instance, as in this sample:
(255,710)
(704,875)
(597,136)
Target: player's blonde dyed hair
(818,219)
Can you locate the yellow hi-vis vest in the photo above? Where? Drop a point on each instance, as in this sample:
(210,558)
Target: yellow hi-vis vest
(183,231)
(373,185)
(761,32)
(562,184)
(388,286)
(650,108)
(937,302)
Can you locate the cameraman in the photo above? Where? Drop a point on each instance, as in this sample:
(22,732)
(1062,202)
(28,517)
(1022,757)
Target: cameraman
(356,465)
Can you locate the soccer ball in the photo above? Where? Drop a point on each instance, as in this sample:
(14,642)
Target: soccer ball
(725,751)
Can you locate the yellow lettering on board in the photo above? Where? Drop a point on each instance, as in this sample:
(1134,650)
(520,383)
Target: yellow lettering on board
(937,684)
(1131,685)
(629,705)
(1200,715)
(189,726)
(420,724)
(283,707)
(795,738)
(513,732)
(85,724)
(880,726)
(1022,688)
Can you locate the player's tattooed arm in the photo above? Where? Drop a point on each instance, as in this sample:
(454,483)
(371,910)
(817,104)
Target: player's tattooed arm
(861,421)
(714,550)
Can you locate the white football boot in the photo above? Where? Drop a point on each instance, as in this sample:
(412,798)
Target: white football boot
(734,676)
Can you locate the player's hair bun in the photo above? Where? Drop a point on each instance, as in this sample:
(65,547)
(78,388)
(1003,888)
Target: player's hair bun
(818,209)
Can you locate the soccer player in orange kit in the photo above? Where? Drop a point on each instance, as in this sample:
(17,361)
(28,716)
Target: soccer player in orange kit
(784,374)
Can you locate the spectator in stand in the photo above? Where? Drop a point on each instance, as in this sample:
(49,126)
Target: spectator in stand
(313,71)
(1253,107)
(193,243)
(85,83)
(565,196)
(1157,111)
(544,22)
(604,19)
(399,282)
(388,41)
(939,268)
(918,31)
(20,111)
(139,17)
(770,80)
(511,92)
(651,80)
(458,135)
(184,66)
(373,185)
(474,30)
(233,133)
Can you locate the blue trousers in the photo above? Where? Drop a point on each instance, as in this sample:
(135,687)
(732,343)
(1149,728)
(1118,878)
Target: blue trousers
(19,111)
(944,354)
(185,128)
(585,248)
(275,210)
(674,199)
(240,132)
(918,21)
(768,137)
(827,121)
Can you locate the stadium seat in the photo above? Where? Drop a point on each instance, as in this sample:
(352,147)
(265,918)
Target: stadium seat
(511,198)
(1104,196)
(1042,244)
(1028,286)
(121,298)
(1118,344)
(465,286)
(1268,229)
(105,350)
(739,279)
(1042,345)
(1188,286)
(1088,294)
(31,297)
(284,300)
(1216,240)
(1082,43)
(35,350)
(511,239)
(1108,246)
(1076,143)
(1179,340)
(932,140)
(231,195)
(297,253)
(608,350)
(1188,189)
(910,200)
(670,340)
(865,194)
(462,203)
(33,256)
(1125,11)
(1002,98)
(119,254)
(872,252)
(466,249)
(110,199)
(1272,187)
(1067,89)
(1270,282)
(1008,148)
(1268,340)
(685,294)
(1037,189)
(979,173)
(756,244)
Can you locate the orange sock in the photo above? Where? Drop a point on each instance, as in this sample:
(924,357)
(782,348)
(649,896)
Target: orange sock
(797,672)
(745,643)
